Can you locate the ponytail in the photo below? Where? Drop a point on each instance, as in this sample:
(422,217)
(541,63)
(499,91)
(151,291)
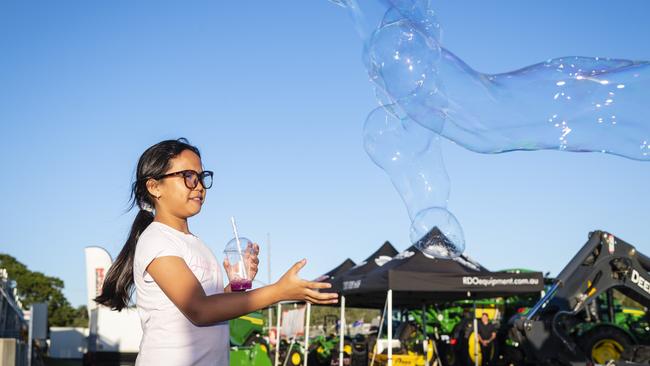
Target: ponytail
(118,285)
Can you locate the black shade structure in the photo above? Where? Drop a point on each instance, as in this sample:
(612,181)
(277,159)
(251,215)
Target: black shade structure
(338,270)
(412,279)
(375,260)
(418,279)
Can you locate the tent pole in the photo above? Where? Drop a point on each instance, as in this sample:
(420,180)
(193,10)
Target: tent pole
(475,336)
(286,358)
(381,326)
(270,320)
(307,332)
(268,263)
(342,331)
(425,341)
(390,327)
(277,335)
(434,338)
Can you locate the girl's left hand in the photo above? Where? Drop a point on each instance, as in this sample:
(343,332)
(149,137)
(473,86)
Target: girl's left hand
(252,251)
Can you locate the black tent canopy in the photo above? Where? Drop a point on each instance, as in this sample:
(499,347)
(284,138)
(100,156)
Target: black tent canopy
(338,270)
(413,279)
(375,260)
(416,279)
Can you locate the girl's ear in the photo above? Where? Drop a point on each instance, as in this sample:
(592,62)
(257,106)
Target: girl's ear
(153,188)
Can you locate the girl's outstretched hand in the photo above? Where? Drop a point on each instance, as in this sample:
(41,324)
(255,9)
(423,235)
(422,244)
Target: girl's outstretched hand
(292,287)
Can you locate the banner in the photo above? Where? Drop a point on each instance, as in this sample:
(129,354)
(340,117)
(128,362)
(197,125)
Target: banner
(98,261)
(293,323)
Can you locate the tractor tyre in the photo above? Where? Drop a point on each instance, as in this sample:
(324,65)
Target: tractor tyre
(447,354)
(251,340)
(359,351)
(514,356)
(257,339)
(603,344)
(295,358)
(640,354)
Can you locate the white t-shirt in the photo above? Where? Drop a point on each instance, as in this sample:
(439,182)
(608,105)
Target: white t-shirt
(168,337)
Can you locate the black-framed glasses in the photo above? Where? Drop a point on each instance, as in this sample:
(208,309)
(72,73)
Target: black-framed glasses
(191,178)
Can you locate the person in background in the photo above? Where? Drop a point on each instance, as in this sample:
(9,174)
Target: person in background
(486,335)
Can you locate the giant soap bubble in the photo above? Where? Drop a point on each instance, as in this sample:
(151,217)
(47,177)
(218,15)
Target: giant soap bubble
(580,104)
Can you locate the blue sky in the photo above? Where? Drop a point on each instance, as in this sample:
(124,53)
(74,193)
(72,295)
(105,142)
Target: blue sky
(275,94)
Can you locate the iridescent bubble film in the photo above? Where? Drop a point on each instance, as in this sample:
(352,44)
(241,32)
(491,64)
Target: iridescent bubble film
(580,104)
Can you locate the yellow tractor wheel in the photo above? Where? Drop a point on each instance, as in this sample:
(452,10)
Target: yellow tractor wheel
(605,343)
(605,350)
(295,358)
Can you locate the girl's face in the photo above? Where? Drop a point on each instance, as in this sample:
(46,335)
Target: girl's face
(173,195)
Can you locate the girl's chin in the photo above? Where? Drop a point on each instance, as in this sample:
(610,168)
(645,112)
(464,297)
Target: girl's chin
(193,211)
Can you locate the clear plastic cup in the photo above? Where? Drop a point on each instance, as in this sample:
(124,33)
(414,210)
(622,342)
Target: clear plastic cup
(238,270)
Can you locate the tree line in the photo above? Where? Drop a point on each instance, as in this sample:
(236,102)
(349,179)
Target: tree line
(33,287)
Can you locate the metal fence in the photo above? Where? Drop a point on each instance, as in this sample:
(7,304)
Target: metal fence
(21,353)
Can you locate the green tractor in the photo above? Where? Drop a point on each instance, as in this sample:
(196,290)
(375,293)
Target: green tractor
(594,313)
(612,329)
(441,320)
(291,352)
(321,349)
(452,325)
(608,328)
(247,345)
(324,349)
(251,356)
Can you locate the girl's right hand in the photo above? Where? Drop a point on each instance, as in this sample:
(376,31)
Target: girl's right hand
(293,288)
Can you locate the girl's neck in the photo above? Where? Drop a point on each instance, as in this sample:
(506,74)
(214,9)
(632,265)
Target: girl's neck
(177,223)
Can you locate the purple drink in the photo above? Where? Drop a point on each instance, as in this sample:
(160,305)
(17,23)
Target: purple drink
(240,285)
(237,252)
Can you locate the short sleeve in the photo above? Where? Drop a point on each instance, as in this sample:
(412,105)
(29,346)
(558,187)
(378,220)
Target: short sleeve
(153,244)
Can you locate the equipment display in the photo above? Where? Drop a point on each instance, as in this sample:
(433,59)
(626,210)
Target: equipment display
(579,320)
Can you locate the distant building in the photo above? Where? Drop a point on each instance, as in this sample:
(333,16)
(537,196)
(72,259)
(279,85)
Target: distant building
(13,326)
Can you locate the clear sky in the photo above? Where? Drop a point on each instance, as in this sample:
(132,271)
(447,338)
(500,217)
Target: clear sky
(274,94)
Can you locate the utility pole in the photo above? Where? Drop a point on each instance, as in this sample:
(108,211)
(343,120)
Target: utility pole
(268,255)
(268,263)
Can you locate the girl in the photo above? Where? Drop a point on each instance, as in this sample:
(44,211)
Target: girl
(183,306)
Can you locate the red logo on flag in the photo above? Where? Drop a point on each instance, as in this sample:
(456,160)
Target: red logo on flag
(99,280)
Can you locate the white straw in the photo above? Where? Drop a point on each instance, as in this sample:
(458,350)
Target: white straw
(234,229)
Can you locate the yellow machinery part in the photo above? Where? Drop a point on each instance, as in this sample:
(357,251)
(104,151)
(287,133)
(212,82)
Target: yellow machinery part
(473,343)
(295,359)
(347,349)
(605,350)
(410,359)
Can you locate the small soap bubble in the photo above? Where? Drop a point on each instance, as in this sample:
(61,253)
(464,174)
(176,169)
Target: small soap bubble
(437,233)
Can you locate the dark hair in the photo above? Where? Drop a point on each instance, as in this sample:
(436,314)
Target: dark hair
(117,287)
